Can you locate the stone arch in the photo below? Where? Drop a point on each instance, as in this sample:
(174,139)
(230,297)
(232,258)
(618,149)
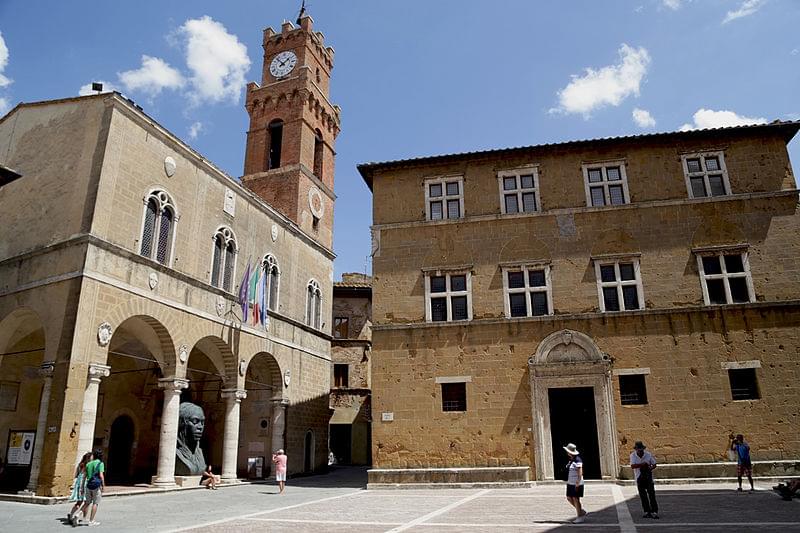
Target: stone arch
(567,346)
(220,355)
(151,333)
(164,323)
(220,341)
(264,370)
(18,324)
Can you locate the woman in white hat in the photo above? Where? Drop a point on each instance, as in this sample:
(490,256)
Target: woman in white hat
(575,481)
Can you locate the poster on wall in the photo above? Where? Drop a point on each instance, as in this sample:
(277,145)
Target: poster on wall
(20,448)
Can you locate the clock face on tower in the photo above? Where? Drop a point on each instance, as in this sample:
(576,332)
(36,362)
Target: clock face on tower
(282,64)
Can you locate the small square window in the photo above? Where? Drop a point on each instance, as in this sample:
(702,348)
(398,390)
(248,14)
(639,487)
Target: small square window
(452,188)
(529,202)
(459,305)
(453,209)
(595,175)
(341,375)
(527,181)
(438,284)
(739,292)
(733,263)
(744,385)
(607,273)
(716,291)
(454,396)
(509,184)
(516,280)
(712,164)
(711,265)
(536,278)
(517,304)
(633,389)
(706,175)
(611,298)
(444,198)
(539,303)
(511,203)
(630,297)
(616,194)
(698,187)
(693,165)
(613,174)
(458,283)
(717,185)
(626,272)
(340,327)
(436,190)
(436,210)
(439,309)
(598,199)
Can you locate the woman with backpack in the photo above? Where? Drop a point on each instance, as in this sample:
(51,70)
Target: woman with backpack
(78,494)
(95,483)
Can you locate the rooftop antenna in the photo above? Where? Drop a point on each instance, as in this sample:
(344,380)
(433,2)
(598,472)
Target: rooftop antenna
(302,12)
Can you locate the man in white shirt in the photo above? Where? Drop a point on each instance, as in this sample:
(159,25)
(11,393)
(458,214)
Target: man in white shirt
(643,463)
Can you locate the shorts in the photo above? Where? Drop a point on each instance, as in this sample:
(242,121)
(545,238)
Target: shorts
(280,476)
(744,470)
(94,495)
(575,491)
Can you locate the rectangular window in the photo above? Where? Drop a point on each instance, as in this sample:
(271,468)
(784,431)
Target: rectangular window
(706,174)
(454,396)
(606,184)
(619,284)
(340,327)
(448,296)
(519,190)
(725,277)
(9,391)
(528,290)
(444,198)
(632,389)
(744,385)
(340,375)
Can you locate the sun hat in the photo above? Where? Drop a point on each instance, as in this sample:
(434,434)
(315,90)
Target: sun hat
(639,445)
(571,449)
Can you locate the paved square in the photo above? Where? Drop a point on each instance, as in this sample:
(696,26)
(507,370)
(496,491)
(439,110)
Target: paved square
(338,503)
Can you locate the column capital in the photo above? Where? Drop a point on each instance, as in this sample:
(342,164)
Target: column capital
(46,369)
(173,384)
(98,372)
(236,394)
(281,402)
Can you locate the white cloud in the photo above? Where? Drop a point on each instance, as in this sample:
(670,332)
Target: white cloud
(746,8)
(152,77)
(607,86)
(86,90)
(795,51)
(195,129)
(4,106)
(707,118)
(217,60)
(643,118)
(672,4)
(3,61)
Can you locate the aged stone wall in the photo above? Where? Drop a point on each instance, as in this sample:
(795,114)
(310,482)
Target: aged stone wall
(688,417)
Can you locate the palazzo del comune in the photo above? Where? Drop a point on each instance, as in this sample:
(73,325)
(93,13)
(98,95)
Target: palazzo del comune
(121,258)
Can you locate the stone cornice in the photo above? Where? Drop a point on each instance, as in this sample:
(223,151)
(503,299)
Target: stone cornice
(651,204)
(616,315)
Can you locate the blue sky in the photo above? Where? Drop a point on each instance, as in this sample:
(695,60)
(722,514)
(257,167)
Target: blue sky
(417,77)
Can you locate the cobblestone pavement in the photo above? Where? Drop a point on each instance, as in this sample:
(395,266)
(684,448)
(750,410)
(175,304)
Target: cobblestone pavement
(337,502)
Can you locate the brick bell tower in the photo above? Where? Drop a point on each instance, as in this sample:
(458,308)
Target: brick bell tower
(289,158)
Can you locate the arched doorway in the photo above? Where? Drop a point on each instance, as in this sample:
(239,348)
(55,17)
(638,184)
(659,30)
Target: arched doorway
(120,448)
(139,352)
(571,380)
(262,421)
(308,452)
(22,345)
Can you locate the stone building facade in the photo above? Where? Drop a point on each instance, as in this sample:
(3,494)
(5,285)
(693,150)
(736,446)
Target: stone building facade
(597,292)
(351,347)
(120,265)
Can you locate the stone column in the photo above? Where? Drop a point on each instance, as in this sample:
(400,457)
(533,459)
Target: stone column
(168,438)
(89,416)
(230,440)
(278,423)
(46,372)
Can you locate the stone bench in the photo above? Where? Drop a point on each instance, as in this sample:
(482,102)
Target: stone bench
(183,481)
(501,474)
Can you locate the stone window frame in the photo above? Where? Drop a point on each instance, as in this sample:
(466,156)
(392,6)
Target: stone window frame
(226,234)
(448,294)
(719,252)
(704,172)
(753,365)
(621,372)
(616,259)
(268,265)
(452,380)
(444,198)
(313,304)
(519,191)
(604,182)
(341,320)
(164,202)
(526,267)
